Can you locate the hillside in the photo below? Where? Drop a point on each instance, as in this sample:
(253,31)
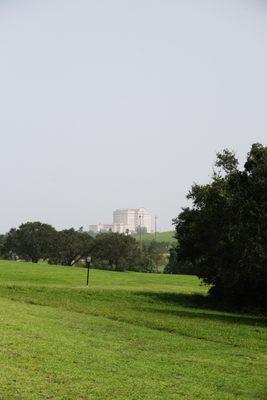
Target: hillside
(160,237)
(129,336)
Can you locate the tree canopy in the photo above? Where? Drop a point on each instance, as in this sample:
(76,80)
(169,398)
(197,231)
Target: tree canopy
(31,241)
(71,246)
(223,235)
(120,251)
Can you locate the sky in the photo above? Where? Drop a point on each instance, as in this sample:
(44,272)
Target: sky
(116,104)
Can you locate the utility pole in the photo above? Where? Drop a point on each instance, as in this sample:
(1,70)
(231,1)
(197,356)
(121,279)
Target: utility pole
(140,231)
(156,227)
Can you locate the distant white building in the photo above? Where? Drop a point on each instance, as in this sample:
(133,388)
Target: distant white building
(101,228)
(129,219)
(126,220)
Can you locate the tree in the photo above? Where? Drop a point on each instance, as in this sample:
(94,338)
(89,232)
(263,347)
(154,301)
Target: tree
(120,251)
(31,241)
(157,252)
(70,246)
(224,234)
(176,265)
(3,253)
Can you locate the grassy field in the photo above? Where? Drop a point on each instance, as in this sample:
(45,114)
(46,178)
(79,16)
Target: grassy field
(129,336)
(160,237)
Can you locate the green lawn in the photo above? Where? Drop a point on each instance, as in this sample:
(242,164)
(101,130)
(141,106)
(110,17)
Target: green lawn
(129,336)
(160,237)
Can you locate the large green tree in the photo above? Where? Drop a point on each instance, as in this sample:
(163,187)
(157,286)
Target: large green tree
(31,241)
(224,233)
(120,251)
(70,246)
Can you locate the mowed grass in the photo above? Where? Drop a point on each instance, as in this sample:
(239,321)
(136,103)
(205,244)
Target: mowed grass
(129,336)
(160,237)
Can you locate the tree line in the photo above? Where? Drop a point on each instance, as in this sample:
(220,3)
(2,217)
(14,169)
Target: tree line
(34,241)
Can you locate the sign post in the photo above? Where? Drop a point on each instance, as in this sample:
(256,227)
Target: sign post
(88,263)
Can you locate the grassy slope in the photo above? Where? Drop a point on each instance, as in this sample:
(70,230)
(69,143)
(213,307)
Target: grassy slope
(130,336)
(160,237)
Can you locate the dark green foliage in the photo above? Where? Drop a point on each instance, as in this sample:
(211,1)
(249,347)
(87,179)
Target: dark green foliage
(171,267)
(227,161)
(71,246)
(31,241)
(178,266)
(224,234)
(156,252)
(119,251)
(34,241)
(147,263)
(3,250)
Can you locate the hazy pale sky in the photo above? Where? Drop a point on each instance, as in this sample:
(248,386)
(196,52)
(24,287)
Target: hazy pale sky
(109,104)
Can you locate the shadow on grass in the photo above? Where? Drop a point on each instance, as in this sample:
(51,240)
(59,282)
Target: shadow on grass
(201,306)
(229,319)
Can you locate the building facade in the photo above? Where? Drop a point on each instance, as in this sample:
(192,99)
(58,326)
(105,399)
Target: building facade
(101,228)
(128,220)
